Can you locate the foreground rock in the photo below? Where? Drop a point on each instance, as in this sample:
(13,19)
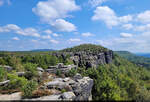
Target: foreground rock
(4,82)
(20,74)
(77,88)
(14,96)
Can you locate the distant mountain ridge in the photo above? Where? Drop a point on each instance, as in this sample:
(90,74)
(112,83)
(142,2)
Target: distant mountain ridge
(39,50)
(144,54)
(135,58)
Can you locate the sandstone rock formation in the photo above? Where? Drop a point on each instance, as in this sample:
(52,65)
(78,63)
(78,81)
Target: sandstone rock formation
(77,88)
(61,67)
(88,59)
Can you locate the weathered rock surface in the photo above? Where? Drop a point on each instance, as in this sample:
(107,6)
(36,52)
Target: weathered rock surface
(68,96)
(40,69)
(88,59)
(77,77)
(46,98)
(77,88)
(61,67)
(81,87)
(8,68)
(20,74)
(4,82)
(14,96)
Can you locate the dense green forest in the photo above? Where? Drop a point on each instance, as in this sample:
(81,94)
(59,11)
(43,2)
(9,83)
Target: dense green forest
(139,60)
(120,80)
(86,47)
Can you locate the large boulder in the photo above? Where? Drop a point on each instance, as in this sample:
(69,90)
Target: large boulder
(40,69)
(68,96)
(83,88)
(77,76)
(79,86)
(4,82)
(8,68)
(57,83)
(20,74)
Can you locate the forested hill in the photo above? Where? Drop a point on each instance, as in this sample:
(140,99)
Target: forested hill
(87,48)
(139,60)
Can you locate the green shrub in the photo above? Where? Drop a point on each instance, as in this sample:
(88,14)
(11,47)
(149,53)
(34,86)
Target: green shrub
(28,88)
(31,70)
(71,73)
(15,81)
(2,62)
(58,72)
(63,90)
(3,74)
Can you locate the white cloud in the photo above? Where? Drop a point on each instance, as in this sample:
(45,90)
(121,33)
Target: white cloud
(15,38)
(74,40)
(109,17)
(54,9)
(88,34)
(56,35)
(54,41)
(127,26)
(142,28)
(34,41)
(125,19)
(144,17)
(9,27)
(28,32)
(126,35)
(12,27)
(48,31)
(94,3)
(105,14)
(16,29)
(53,12)
(2,2)
(46,37)
(133,44)
(64,26)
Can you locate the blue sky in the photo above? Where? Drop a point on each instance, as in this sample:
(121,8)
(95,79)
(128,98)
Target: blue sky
(57,24)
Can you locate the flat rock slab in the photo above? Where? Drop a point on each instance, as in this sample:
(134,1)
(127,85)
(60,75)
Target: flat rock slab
(15,96)
(48,98)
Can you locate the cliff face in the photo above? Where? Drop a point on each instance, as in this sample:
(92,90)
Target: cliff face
(88,59)
(92,60)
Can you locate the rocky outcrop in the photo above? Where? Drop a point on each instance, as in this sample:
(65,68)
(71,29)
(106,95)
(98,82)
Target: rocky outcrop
(7,68)
(20,74)
(88,59)
(77,88)
(61,67)
(40,69)
(83,88)
(4,82)
(80,88)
